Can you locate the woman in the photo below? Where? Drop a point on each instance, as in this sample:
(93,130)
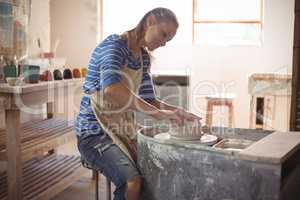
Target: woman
(117,84)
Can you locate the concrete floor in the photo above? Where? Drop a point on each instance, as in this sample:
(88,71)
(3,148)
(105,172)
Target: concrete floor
(83,189)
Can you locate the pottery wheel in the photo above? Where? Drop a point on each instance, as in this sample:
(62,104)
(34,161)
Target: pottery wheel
(205,139)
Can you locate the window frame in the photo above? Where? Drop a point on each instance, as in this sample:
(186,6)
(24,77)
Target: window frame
(195,22)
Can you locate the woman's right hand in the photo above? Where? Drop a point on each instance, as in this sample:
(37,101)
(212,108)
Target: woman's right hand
(169,115)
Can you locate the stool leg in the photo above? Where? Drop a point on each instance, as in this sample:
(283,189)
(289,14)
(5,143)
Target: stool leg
(108,189)
(209,112)
(252,112)
(96,175)
(230,116)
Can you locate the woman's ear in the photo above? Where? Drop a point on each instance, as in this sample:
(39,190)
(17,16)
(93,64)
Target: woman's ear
(151,20)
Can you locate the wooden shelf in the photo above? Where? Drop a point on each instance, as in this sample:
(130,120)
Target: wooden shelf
(46,177)
(40,136)
(41,86)
(34,139)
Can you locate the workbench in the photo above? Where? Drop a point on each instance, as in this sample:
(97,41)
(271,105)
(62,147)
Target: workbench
(177,170)
(32,172)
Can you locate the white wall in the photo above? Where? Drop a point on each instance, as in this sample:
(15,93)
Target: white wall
(212,67)
(235,64)
(39,27)
(117,18)
(75,27)
(75,24)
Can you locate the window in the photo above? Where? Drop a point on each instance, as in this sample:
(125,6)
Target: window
(227,22)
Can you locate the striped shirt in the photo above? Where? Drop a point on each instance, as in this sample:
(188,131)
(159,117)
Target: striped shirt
(104,68)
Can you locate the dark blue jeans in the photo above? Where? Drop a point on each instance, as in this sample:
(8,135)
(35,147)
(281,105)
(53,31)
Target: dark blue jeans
(101,154)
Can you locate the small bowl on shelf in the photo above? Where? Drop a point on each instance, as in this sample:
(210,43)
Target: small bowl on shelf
(14,81)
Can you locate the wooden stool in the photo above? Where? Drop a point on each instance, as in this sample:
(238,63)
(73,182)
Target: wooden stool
(96,178)
(221,100)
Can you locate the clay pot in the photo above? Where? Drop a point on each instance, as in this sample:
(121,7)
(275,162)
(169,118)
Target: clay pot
(83,72)
(57,74)
(67,74)
(189,131)
(76,73)
(31,73)
(46,76)
(10,71)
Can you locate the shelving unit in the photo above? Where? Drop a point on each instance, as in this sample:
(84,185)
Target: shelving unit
(44,178)
(40,136)
(32,172)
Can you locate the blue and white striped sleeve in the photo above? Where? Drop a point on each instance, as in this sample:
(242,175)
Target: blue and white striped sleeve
(111,64)
(146,90)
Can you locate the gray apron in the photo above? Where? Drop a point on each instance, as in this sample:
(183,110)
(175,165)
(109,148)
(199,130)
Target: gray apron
(119,124)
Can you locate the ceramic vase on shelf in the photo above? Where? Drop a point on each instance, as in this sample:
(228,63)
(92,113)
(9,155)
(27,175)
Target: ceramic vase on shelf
(46,76)
(83,71)
(10,70)
(76,73)
(67,74)
(31,73)
(57,75)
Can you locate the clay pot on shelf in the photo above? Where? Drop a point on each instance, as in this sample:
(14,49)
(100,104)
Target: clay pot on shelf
(76,73)
(46,76)
(83,72)
(57,74)
(31,73)
(67,74)
(10,71)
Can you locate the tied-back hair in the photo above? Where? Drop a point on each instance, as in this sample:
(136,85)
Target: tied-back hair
(161,15)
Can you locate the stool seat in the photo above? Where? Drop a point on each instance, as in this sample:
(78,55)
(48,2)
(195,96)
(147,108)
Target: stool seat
(222,96)
(223,99)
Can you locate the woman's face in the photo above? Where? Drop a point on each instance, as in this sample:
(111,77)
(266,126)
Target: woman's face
(158,34)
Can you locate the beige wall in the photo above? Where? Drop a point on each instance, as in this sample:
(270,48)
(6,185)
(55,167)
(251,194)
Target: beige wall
(212,67)
(75,24)
(75,28)
(232,66)
(39,27)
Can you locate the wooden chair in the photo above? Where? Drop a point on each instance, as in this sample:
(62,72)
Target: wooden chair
(96,178)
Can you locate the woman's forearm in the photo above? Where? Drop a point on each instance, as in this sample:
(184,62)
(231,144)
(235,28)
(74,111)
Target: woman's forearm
(127,99)
(164,106)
